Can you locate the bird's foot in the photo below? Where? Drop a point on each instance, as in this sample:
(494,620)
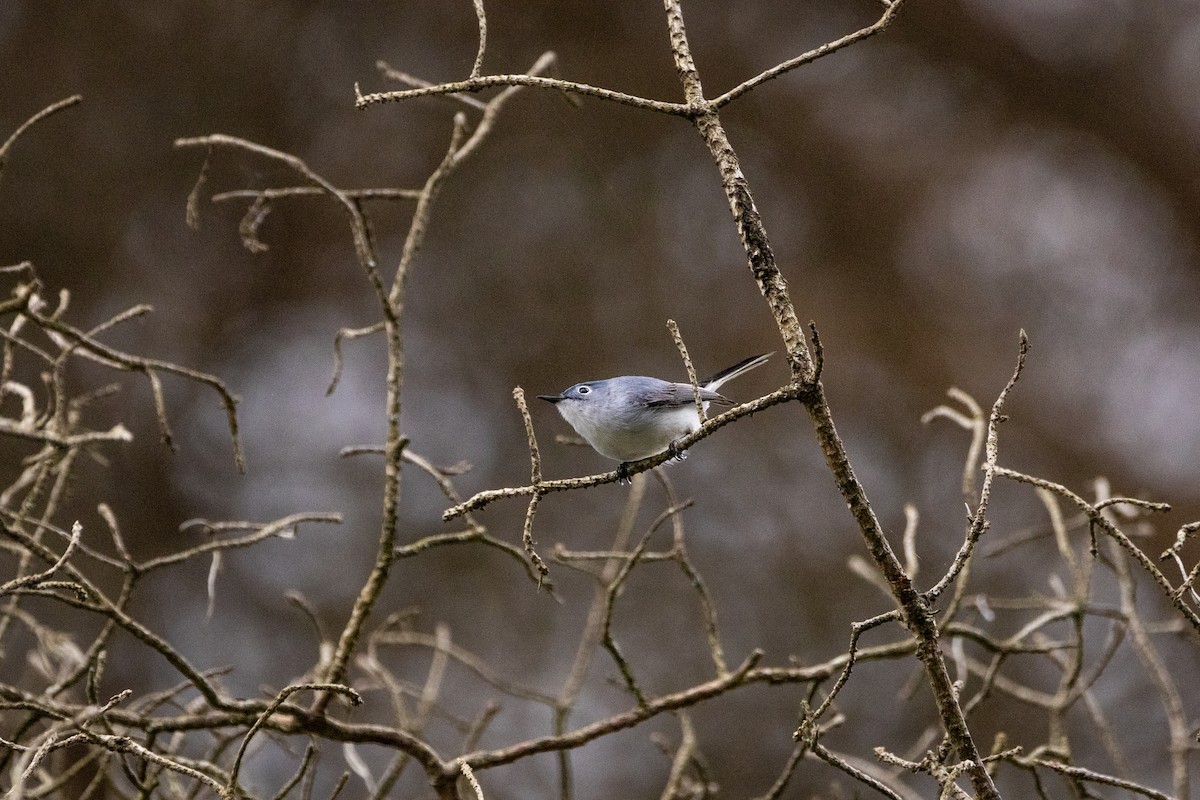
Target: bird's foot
(675,453)
(623,476)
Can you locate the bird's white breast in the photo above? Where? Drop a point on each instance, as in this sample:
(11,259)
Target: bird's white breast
(631,436)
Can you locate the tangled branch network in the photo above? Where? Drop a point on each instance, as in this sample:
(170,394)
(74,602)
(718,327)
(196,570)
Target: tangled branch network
(379,710)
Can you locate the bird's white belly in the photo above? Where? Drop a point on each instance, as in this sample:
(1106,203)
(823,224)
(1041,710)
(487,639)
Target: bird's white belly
(643,435)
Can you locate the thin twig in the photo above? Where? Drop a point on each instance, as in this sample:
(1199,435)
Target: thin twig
(41,577)
(687,364)
(978,520)
(1091,776)
(1098,519)
(49,110)
(232,785)
(491,81)
(593,629)
(478,65)
(617,722)
(535,468)
(146,366)
(683,755)
(890,10)
(820,751)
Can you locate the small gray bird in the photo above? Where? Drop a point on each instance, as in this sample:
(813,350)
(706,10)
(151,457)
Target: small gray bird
(634,417)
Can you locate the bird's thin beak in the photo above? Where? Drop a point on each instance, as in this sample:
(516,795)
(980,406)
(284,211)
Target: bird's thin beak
(550,398)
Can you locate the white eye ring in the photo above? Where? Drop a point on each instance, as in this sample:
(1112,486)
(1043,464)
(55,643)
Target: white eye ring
(583,389)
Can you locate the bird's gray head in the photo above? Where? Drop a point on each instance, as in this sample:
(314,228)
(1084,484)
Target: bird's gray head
(594,408)
(588,403)
(587,393)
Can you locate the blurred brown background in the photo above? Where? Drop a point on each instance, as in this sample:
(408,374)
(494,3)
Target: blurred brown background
(983,166)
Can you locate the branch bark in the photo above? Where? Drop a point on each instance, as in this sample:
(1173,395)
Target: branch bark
(917,614)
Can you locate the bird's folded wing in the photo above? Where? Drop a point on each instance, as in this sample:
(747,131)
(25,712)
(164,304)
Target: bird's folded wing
(674,395)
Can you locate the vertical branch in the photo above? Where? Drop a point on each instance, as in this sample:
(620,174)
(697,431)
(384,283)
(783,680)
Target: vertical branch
(1160,676)
(918,615)
(394,444)
(683,755)
(420,219)
(680,554)
(1072,668)
(535,460)
(610,600)
(460,147)
(687,365)
(978,519)
(50,464)
(749,223)
(482,18)
(809,729)
(593,629)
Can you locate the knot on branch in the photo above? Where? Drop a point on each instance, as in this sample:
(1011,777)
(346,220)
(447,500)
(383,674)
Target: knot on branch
(809,730)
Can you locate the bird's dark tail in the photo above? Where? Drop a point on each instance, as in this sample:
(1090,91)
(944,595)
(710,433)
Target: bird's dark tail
(729,373)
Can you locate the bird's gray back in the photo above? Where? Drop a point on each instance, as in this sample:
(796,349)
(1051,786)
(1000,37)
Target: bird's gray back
(639,392)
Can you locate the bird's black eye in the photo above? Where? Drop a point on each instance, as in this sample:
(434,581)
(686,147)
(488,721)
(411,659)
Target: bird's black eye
(583,389)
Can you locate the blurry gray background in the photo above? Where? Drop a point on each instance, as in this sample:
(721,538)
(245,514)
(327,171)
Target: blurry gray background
(983,166)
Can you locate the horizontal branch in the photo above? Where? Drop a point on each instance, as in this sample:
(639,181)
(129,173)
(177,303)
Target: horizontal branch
(781,395)
(315,191)
(480,83)
(1082,774)
(290,719)
(363,249)
(118,433)
(628,719)
(281,528)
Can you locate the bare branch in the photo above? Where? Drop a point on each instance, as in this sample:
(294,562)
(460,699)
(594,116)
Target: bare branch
(358,226)
(687,364)
(891,8)
(48,111)
(581,736)
(491,81)
(282,528)
(478,65)
(146,366)
(978,520)
(17,584)
(710,425)
(1099,520)
(1093,777)
(231,787)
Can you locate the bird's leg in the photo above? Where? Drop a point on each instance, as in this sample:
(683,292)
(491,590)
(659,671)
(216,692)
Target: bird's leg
(623,477)
(675,453)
